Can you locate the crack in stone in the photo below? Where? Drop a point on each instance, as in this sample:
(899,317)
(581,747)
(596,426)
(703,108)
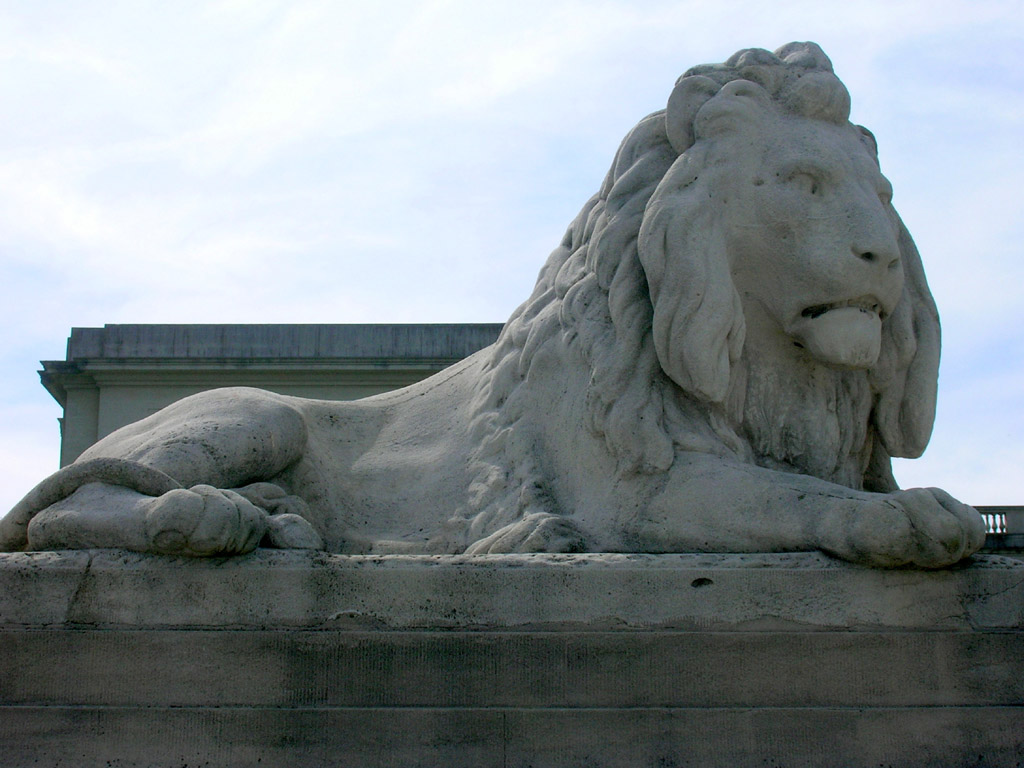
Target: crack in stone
(1001,591)
(76,597)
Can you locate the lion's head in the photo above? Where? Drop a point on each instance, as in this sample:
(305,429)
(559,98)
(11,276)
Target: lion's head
(741,285)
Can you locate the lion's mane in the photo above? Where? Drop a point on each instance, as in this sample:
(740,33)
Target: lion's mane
(666,356)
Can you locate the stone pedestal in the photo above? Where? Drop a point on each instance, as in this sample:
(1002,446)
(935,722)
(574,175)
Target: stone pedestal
(288,658)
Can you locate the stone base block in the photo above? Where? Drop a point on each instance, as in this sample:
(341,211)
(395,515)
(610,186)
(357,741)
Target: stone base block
(288,658)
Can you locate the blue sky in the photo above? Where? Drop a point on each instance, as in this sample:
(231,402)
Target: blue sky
(306,161)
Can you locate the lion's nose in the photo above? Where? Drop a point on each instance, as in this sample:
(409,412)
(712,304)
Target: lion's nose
(872,239)
(888,260)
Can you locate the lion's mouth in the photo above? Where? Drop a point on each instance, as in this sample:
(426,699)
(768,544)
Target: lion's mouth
(844,333)
(868,304)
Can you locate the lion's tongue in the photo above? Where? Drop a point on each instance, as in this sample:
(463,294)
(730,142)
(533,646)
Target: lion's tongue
(845,336)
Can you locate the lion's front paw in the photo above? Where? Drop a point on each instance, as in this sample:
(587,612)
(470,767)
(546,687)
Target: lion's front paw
(536,532)
(925,527)
(203,521)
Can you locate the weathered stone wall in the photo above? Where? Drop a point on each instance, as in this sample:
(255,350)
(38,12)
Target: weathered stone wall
(288,658)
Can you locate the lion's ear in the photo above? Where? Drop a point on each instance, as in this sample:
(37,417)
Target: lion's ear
(698,323)
(907,372)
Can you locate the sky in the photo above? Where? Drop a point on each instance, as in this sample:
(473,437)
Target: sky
(351,162)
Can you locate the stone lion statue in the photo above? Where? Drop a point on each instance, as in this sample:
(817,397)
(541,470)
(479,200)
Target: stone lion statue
(733,338)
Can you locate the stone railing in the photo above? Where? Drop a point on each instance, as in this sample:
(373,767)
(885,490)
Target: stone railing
(1005,528)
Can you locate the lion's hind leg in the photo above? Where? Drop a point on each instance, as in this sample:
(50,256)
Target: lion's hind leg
(109,502)
(119,503)
(223,437)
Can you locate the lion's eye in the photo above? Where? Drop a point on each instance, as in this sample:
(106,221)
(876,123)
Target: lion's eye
(805,182)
